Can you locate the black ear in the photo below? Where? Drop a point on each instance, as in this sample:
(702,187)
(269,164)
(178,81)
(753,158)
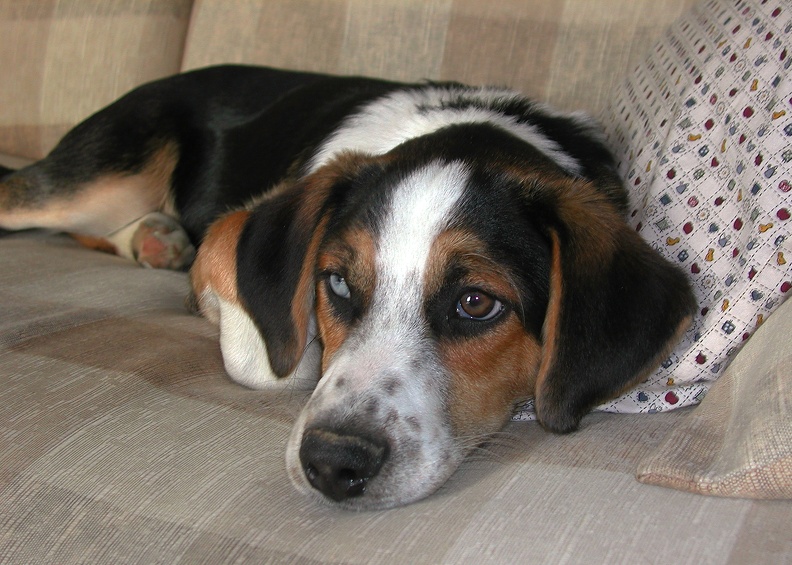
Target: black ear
(271,260)
(276,257)
(616,307)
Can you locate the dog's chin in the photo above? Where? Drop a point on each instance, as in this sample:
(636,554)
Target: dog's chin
(404,482)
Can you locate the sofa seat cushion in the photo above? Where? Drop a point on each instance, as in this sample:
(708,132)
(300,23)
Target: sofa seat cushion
(123,441)
(739,441)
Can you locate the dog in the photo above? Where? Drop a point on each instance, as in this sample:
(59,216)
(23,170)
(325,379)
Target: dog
(425,255)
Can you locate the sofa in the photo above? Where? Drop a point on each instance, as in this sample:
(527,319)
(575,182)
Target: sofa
(122,440)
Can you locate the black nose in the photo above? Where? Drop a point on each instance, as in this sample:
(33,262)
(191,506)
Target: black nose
(340,465)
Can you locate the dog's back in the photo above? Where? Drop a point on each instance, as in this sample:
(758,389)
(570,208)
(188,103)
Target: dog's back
(192,145)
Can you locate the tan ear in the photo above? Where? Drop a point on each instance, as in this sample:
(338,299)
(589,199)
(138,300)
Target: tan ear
(616,307)
(215,263)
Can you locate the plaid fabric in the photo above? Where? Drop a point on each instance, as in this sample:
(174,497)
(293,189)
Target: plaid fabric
(569,52)
(63,60)
(122,441)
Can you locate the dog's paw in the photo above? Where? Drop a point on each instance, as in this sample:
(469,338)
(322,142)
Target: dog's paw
(159,242)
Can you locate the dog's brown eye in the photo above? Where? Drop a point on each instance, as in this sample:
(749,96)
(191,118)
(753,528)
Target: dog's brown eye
(477,305)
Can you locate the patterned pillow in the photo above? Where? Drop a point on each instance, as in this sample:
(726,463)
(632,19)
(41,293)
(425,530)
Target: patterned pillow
(703,132)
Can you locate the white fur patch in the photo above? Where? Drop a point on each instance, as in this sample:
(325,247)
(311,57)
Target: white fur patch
(403,115)
(244,351)
(420,211)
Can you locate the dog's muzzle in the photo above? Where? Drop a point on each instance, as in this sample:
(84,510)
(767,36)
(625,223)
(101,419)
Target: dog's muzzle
(340,465)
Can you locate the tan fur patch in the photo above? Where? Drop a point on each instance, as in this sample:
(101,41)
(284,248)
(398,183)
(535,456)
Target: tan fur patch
(591,219)
(303,300)
(489,373)
(333,333)
(215,265)
(464,249)
(97,243)
(105,205)
(587,215)
(551,328)
(352,254)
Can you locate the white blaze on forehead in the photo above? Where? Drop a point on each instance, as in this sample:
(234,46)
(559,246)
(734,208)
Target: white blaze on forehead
(389,338)
(420,211)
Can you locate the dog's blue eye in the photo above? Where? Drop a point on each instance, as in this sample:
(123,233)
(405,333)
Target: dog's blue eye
(339,286)
(479,306)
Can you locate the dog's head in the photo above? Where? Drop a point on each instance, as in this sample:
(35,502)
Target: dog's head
(443,288)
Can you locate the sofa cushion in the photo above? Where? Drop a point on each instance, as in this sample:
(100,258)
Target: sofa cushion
(739,441)
(62,61)
(123,441)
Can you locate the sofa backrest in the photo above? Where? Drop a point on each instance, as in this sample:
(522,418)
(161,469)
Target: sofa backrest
(62,61)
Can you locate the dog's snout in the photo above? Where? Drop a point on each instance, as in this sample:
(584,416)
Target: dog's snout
(340,465)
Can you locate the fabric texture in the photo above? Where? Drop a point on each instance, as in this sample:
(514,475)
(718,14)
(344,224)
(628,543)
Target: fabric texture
(739,441)
(63,60)
(570,52)
(703,129)
(123,441)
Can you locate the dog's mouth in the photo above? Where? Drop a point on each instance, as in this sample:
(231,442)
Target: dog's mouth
(358,473)
(375,458)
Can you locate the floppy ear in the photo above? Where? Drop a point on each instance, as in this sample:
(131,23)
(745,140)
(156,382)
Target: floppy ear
(243,269)
(616,307)
(276,258)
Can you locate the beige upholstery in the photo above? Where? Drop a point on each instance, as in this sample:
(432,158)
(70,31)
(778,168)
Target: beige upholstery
(739,441)
(568,51)
(63,60)
(122,441)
